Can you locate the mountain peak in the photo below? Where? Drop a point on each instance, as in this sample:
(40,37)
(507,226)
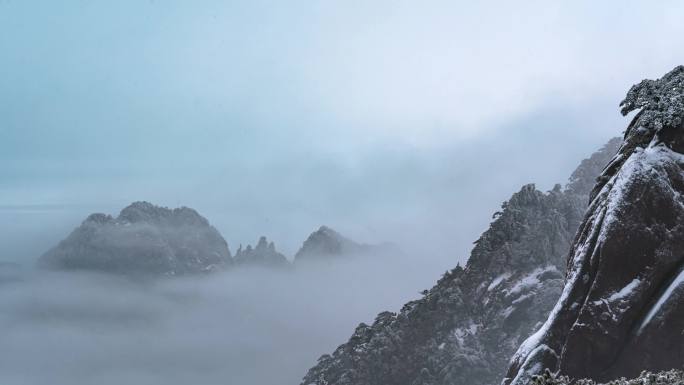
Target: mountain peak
(264,254)
(142,211)
(327,230)
(143,239)
(325,243)
(660,102)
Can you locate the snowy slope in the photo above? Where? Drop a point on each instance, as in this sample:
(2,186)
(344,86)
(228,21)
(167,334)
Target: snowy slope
(622,309)
(464,329)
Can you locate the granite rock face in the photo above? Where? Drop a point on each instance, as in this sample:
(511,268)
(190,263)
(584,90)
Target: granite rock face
(264,254)
(622,307)
(465,328)
(143,239)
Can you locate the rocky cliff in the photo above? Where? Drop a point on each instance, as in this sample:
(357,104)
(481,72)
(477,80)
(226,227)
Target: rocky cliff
(143,239)
(465,328)
(622,307)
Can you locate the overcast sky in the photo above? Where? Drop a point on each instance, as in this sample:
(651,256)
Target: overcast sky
(394,121)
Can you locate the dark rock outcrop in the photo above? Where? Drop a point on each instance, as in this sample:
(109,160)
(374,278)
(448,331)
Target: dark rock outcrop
(143,239)
(264,254)
(326,243)
(465,328)
(622,307)
(670,377)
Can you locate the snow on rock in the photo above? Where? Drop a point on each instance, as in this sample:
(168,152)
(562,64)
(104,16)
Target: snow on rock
(497,281)
(530,280)
(624,267)
(671,377)
(465,328)
(626,291)
(663,299)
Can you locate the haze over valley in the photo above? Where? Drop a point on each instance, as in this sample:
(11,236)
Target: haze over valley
(341,193)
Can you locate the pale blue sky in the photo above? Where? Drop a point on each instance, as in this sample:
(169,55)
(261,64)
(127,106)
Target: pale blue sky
(390,120)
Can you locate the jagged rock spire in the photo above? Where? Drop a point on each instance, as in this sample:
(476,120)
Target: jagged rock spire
(660,102)
(264,254)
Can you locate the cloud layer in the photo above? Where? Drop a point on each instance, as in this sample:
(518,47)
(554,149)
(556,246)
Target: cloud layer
(251,327)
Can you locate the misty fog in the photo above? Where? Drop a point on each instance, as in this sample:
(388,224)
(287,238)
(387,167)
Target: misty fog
(245,326)
(389,121)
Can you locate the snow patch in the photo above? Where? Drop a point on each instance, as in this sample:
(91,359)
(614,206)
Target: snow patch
(622,293)
(533,342)
(640,163)
(661,301)
(529,280)
(526,373)
(497,281)
(521,298)
(625,291)
(508,311)
(462,332)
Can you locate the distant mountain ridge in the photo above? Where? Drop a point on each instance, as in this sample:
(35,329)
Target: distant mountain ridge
(153,240)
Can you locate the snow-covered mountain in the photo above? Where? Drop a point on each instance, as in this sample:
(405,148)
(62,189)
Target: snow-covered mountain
(622,307)
(464,329)
(143,239)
